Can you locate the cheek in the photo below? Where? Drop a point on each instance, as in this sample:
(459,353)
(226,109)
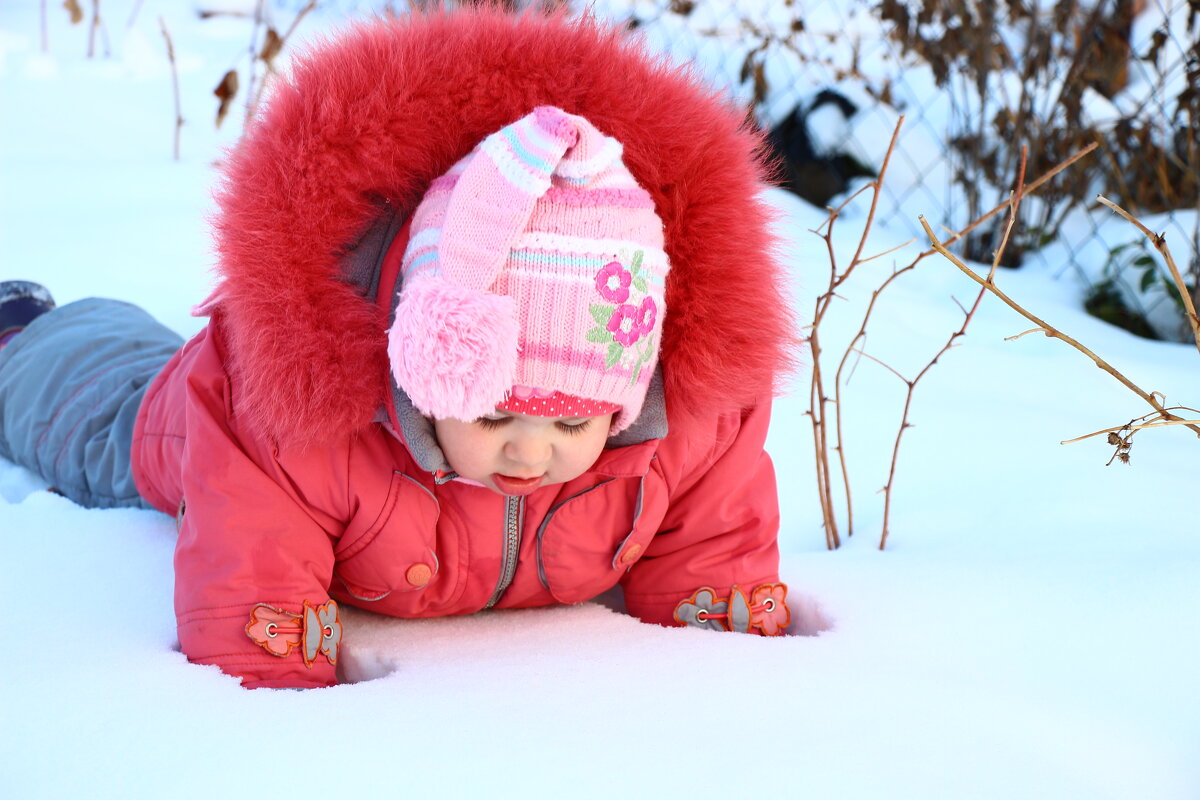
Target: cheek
(465,447)
(583,453)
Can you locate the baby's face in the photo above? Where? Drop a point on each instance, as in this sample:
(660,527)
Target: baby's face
(514,454)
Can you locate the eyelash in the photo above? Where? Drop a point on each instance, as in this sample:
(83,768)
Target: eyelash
(573,430)
(489,424)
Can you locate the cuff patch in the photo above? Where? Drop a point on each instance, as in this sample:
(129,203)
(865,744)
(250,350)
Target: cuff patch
(765,611)
(317,631)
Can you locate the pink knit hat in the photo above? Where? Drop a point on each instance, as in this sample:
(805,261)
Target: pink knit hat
(533,279)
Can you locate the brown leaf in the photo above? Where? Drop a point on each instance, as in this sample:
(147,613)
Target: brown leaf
(760,84)
(271,46)
(72,7)
(226,90)
(1156,45)
(747,67)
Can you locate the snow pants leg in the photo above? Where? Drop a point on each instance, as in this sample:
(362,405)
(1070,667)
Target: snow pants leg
(70,387)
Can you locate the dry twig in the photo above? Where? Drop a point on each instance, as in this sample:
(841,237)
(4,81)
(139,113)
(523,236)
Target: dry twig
(97,27)
(989,285)
(818,398)
(827,437)
(133,15)
(272,45)
(1014,205)
(174,84)
(1160,243)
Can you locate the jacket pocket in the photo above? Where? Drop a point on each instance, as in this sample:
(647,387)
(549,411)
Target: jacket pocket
(586,542)
(393,550)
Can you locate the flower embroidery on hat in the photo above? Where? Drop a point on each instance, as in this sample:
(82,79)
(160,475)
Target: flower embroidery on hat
(624,324)
(612,282)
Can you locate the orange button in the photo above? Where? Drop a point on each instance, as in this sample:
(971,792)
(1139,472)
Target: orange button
(418,574)
(631,554)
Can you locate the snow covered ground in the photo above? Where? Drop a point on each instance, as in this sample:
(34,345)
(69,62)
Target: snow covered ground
(1031,630)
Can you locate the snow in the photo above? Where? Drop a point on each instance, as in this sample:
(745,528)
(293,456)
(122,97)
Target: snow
(1030,631)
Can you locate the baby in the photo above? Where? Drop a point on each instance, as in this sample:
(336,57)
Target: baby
(498,325)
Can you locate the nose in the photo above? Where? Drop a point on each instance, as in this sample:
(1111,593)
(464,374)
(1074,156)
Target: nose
(528,450)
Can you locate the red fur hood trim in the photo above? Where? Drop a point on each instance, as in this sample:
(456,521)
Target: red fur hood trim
(377,113)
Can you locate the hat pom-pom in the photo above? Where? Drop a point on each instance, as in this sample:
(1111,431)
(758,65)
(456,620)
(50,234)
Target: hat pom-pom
(453,350)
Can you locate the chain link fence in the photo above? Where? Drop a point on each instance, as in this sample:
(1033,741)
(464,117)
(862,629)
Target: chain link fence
(974,81)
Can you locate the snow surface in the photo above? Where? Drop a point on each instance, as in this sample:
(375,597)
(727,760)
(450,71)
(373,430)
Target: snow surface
(1030,631)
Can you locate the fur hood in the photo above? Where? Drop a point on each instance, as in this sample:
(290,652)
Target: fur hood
(368,119)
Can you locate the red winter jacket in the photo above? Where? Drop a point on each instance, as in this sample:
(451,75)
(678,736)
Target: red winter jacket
(298,469)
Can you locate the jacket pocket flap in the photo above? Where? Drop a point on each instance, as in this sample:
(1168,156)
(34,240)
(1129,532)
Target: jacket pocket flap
(392,550)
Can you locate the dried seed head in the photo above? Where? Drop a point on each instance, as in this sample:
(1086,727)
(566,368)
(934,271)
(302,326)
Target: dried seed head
(1123,456)
(1113,439)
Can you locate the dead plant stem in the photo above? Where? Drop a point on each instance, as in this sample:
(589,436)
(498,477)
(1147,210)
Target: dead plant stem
(1138,427)
(837,380)
(1030,189)
(299,16)
(133,15)
(174,84)
(1160,243)
(95,26)
(1014,205)
(878,182)
(990,286)
(819,400)
(251,94)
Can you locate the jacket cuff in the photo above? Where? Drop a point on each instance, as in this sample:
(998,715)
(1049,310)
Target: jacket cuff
(266,645)
(761,610)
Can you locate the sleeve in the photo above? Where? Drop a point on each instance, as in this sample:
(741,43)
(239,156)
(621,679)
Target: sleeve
(714,562)
(252,562)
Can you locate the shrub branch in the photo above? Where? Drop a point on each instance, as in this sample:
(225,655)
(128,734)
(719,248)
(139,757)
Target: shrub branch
(818,400)
(1014,205)
(1049,330)
(1160,244)
(827,430)
(174,83)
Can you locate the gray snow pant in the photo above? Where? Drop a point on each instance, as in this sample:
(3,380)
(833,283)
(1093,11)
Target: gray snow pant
(70,387)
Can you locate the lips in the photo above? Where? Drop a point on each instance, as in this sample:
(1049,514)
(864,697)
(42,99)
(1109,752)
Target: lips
(516,486)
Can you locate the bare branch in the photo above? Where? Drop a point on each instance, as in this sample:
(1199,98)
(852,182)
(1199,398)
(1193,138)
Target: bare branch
(887,252)
(883,364)
(174,84)
(1050,330)
(1030,189)
(1014,204)
(1142,426)
(1160,243)
(818,398)
(1026,333)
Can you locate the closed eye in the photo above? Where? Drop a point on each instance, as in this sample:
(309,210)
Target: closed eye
(573,428)
(492,423)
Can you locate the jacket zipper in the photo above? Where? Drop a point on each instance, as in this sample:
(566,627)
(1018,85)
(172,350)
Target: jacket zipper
(514,518)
